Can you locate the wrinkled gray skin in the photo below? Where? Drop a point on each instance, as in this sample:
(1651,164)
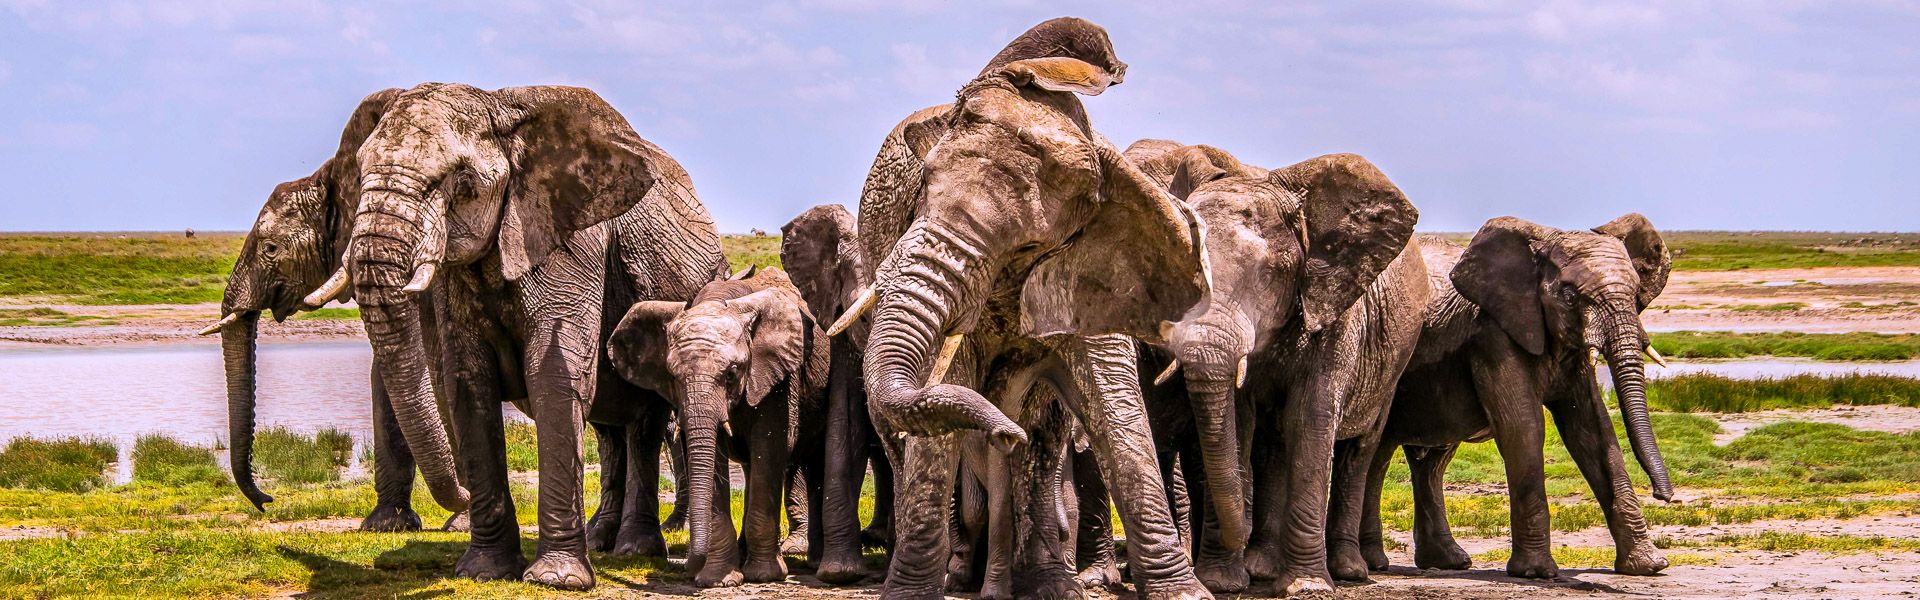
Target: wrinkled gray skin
(972,207)
(296,242)
(1510,329)
(492,207)
(1317,290)
(821,248)
(748,365)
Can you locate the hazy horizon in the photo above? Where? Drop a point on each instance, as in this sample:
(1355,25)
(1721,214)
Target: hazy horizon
(1776,116)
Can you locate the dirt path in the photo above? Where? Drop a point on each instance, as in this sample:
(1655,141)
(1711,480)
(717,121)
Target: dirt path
(1835,299)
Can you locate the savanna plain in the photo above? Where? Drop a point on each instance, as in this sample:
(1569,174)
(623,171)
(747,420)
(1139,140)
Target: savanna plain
(1790,419)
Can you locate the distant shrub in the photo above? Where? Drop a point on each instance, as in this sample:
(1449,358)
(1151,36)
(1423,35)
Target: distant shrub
(163,460)
(71,464)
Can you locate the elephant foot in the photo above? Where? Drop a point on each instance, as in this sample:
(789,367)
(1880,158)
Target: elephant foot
(1304,587)
(676,521)
(603,532)
(765,571)
(1642,559)
(1532,565)
(1179,588)
(876,537)
(840,570)
(1345,562)
(1375,555)
(640,545)
(1101,574)
(995,588)
(1443,554)
(1223,577)
(796,543)
(892,592)
(1262,562)
(1050,583)
(560,570)
(459,521)
(718,573)
(391,518)
(480,564)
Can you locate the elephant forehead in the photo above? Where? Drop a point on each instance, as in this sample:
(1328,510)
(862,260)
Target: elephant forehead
(1052,121)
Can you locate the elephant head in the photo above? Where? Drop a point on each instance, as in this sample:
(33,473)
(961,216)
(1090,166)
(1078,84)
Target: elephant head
(822,246)
(296,241)
(1568,293)
(453,175)
(736,343)
(1019,191)
(1294,247)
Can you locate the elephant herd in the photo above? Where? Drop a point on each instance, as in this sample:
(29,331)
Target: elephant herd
(1025,331)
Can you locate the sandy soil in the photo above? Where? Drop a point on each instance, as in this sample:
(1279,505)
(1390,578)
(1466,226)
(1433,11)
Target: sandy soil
(1837,299)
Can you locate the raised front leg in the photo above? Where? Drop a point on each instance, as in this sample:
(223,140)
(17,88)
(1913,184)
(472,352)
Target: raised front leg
(1588,434)
(918,568)
(603,530)
(1511,395)
(1104,390)
(1433,544)
(767,477)
(392,470)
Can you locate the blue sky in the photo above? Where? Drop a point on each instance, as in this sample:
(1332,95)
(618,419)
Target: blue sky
(1723,115)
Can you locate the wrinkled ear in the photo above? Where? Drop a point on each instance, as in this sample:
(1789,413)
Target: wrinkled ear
(638,346)
(1195,169)
(576,164)
(783,333)
(1059,74)
(1648,250)
(1500,272)
(1139,263)
(1357,222)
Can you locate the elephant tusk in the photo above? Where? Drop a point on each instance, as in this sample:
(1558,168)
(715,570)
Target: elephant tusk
(1167,374)
(224,321)
(1655,356)
(335,285)
(860,307)
(1593,356)
(1240,374)
(422,277)
(1303,229)
(944,361)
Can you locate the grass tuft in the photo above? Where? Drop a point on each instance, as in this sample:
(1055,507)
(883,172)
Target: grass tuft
(331,313)
(1706,392)
(288,457)
(1822,346)
(162,460)
(750,250)
(71,464)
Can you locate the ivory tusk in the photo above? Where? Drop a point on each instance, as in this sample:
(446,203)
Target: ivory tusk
(1303,229)
(860,307)
(224,321)
(945,360)
(1240,374)
(1167,374)
(1593,356)
(330,289)
(422,277)
(1655,355)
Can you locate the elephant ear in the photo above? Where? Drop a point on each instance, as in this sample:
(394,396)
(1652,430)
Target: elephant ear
(1500,273)
(1648,251)
(783,333)
(1196,167)
(1139,263)
(638,346)
(341,174)
(576,164)
(1059,74)
(1356,223)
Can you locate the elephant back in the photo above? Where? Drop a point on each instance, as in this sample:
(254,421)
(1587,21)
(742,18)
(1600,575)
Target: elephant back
(668,243)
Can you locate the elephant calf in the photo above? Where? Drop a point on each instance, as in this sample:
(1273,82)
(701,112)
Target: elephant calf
(1514,320)
(747,364)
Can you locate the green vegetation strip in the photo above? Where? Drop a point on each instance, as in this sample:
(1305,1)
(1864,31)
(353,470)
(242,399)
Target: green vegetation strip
(1705,392)
(66,464)
(163,460)
(1587,557)
(1822,346)
(1728,251)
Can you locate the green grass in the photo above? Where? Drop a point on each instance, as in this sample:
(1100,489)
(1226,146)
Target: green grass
(71,464)
(334,312)
(1571,557)
(1706,392)
(47,317)
(1821,346)
(1775,307)
(1728,251)
(136,268)
(286,456)
(750,250)
(162,460)
(523,447)
(1779,541)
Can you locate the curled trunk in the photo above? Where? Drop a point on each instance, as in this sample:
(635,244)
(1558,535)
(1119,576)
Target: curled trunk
(1623,348)
(238,348)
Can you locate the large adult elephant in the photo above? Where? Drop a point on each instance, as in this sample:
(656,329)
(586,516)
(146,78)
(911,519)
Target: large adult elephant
(1015,241)
(495,205)
(1518,320)
(1316,305)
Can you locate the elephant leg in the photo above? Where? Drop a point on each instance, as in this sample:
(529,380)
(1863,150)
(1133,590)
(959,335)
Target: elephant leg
(720,566)
(677,460)
(798,515)
(1173,474)
(1512,399)
(472,392)
(837,547)
(879,530)
(1103,388)
(1351,460)
(967,525)
(1588,433)
(1372,540)
(603,530)
(563,299)
(392,470)
(918,567)
(1042,565)
(1222,570)
(996,578)
(1307,425)
(1094,555)
(640,517)
(767,477)
(1433,543)
(1267,464)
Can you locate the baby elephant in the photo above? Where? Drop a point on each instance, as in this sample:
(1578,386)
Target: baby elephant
(747,365)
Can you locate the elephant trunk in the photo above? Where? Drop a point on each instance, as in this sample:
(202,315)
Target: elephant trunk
(1624,343)
(924,284)
(1212,376)
(700,426)
(382,256)
(238,347)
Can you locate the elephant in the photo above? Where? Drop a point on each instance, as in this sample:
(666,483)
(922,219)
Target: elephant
(1019,248)
(1316,305)
(515,215)
(748,366)
(820,247)
(1518,320)
(296,241)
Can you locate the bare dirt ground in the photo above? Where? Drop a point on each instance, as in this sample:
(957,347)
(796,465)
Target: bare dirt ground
(1835,299)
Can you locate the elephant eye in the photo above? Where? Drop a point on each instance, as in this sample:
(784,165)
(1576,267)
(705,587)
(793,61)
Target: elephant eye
(270,249)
